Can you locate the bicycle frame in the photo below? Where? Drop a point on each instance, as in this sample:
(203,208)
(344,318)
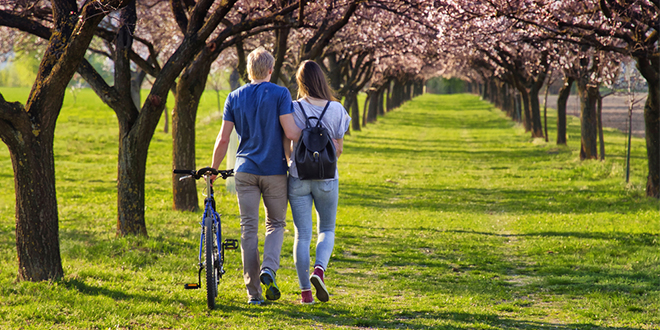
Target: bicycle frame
(211,261)
(211,213)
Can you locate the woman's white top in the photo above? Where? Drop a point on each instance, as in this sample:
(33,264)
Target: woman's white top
(336,120)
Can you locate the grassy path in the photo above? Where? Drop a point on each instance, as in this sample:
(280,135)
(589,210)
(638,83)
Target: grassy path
(449,217)
(457,213)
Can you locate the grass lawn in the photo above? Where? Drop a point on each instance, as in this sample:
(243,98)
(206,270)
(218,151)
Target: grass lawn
(450,217)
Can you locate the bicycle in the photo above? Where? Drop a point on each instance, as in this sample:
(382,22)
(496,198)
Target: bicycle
(211,236)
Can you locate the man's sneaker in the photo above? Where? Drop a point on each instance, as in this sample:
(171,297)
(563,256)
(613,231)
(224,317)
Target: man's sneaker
(255,301)
(307,298)
(319,285)
(267,278)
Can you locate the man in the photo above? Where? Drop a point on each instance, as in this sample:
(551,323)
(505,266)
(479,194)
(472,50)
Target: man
(260,111)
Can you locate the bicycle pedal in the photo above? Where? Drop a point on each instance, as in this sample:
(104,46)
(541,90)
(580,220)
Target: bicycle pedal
(190,286)
(230,244)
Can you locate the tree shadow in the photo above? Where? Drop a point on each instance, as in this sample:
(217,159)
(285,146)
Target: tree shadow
(554,200)
(333,315)
(463,263)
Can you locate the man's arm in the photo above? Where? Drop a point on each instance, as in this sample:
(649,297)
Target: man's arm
(291,130)
(221,144)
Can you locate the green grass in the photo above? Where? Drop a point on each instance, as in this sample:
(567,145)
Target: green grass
(450,217)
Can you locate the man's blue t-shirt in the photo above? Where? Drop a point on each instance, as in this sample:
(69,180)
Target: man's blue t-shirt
(255,110)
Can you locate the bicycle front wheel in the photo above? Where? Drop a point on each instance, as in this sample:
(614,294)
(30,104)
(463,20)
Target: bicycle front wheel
(211,274)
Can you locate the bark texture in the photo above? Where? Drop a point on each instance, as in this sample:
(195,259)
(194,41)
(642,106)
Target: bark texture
(588,96)
(29,131)
(650,69)
(189,92)
(562,100)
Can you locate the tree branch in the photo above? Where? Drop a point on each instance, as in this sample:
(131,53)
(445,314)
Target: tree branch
(23,24)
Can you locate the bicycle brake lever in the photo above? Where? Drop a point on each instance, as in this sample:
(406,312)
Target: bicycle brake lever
(185,177)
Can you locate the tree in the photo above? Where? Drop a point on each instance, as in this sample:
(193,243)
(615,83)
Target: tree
(626,27)
(137,125)
(192,82)
(28,130)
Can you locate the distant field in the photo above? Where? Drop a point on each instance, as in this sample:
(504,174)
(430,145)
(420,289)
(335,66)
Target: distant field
(450,217)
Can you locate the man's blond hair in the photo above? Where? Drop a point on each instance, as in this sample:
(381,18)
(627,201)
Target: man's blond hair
(259,64)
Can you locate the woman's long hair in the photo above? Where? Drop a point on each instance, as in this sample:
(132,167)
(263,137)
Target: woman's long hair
(311,82)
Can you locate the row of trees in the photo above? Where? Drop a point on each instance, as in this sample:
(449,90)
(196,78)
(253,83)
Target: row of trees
(175,44)
(386,48)
(508,50)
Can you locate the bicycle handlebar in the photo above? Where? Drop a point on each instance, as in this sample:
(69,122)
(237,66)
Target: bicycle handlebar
(201,172)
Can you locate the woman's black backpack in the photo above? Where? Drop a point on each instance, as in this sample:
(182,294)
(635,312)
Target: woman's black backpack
(315,153)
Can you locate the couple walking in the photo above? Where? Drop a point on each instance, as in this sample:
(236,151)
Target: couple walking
(269,124)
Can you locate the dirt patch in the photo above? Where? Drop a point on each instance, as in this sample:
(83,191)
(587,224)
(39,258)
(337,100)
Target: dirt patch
(615,112)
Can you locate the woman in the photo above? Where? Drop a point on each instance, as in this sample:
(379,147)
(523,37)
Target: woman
(313,95)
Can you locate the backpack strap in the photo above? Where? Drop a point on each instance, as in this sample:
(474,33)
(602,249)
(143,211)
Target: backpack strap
(318,123)
(318,120)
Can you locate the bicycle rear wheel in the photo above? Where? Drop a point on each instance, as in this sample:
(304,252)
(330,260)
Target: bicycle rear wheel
(211,274)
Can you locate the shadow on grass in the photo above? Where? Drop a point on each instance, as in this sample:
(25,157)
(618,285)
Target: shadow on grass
(118,295)
(373,318)
(646,239)
(462,263)
(483,200)
(91,290)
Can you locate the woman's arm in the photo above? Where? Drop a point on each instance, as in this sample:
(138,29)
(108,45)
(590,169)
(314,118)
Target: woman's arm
(287,144)
(339,146)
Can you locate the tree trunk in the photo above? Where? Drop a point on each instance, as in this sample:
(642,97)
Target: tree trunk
(137,77)
(241,66)
(511,102)
(334,72)
(518,104)
(535,112)
(37,229)
(365,109)
(130,184)
(372,108)
(494,95)
(37,240)
(486,90)
(397,91)
(527,117)
(408,89)
(649,68)
(589,120)
(379,100)
(166,127)
(545,112)
(234,82)
(562,99)
(506,100)
(29,131)
(351,105)
(281,38)
(419,88)
(189,92)
(599,117)
(388,100)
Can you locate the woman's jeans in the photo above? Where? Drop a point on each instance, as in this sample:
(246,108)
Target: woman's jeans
(324,194)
